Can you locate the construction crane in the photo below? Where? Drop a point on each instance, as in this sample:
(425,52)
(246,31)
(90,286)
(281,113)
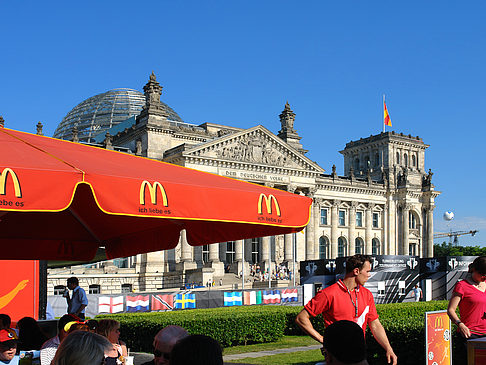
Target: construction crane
(455,235)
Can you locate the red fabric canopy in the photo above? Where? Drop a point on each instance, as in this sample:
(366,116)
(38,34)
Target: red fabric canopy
(61,200)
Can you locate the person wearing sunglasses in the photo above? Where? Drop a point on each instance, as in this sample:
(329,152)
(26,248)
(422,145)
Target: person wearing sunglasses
(470,296)
(164,341)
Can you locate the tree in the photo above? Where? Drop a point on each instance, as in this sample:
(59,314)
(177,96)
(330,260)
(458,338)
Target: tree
(447,249)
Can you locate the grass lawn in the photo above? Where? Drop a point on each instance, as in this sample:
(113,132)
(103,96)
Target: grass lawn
(284,342)
(294,358)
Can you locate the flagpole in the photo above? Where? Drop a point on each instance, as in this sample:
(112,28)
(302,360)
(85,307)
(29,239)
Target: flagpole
(383,106)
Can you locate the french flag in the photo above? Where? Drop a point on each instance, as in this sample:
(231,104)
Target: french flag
(139,303)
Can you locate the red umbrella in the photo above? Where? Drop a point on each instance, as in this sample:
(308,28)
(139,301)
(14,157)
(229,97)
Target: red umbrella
(61,200)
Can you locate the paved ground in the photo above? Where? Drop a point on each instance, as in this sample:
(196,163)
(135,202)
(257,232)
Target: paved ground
(140,357)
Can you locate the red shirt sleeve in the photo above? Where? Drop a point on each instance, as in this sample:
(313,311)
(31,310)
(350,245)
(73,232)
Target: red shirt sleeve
(318,304)
(459,288)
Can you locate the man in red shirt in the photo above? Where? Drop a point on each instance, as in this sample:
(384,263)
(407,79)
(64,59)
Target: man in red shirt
(347,299)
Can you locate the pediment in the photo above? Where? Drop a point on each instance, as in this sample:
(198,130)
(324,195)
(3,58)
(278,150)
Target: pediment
(256,145)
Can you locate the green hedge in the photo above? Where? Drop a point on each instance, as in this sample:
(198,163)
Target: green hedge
(404,324)
(230,326)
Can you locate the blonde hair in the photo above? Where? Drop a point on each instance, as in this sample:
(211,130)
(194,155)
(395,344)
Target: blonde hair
(81,348)
(105,326)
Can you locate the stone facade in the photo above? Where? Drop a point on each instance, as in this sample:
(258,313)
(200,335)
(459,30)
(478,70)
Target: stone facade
(382,205)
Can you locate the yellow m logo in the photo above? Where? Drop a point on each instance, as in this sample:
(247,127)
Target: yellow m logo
(3,182)
(268,203)
(439,322)
(153,192)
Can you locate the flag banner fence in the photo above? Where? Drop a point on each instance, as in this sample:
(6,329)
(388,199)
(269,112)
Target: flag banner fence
(179,300)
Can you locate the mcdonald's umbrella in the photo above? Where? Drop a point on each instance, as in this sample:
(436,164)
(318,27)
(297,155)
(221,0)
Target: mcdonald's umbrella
(64,201)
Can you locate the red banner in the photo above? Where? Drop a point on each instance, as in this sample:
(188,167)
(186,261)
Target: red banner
(19,288)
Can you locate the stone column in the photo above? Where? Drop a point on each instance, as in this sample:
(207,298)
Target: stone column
(405,218)
(186,249)
(352,226)
(334,229)
(317,230)
(266,258)
(288,247)
(384,237)
(239,258)
(309,233)
(187,262)
(214,252)
(430,231)
(391,236)
(368,230)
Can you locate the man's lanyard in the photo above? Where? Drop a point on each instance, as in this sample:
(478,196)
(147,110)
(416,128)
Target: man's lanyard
(355,305)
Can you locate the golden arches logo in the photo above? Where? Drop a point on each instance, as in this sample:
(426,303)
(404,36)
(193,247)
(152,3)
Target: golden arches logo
(268,203)
(439,322)
(3,182)
(152,188)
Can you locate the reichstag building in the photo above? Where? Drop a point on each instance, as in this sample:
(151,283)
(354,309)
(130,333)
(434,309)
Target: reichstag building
(383,205)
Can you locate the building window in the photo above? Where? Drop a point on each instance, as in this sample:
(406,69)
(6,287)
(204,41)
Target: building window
(359,219)
(205,253)
(342,217)
(412,221)
(323,248)
(398,158)
(121,263)
(405,160)
(412,250)
(376,222)
(255,250)
(356,165)
(126,288)
(323,216)
(358,245)
(59,289)
(342,247)
(94,289)
(230,252)
(368,162)
(375,246)
(377,159)
(414,161)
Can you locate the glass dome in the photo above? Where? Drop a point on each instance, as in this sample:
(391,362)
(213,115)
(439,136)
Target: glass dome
(101,112)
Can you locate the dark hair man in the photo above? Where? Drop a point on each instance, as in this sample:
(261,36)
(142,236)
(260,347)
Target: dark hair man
(49,348)
(347,299)
(337,351)
(79,300)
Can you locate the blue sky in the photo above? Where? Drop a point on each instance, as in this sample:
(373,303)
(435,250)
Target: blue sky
(238,62)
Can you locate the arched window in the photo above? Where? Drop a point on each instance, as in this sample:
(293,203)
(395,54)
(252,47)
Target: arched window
(412,221)
(368,162)
(375,246)
(342,249)
(377,159)
(414,161)
(358,245)
(323,248)
(398,158)
(356,164)
(405,160)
